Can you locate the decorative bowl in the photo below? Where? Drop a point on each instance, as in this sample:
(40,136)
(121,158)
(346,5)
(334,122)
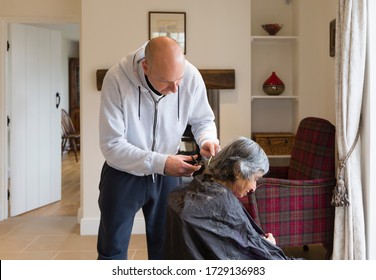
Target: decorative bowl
(272,28)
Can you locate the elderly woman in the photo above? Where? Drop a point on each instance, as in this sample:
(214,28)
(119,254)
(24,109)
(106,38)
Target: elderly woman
(206,219)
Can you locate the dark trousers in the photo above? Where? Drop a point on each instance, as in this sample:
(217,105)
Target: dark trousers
(121,196)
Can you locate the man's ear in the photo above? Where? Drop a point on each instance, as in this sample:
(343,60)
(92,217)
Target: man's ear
(145,66)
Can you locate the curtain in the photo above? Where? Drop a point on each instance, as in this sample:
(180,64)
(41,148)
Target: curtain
(350,58)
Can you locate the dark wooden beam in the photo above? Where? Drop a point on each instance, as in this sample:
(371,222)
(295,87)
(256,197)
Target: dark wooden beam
(213,78)
(100,76)
(218,78)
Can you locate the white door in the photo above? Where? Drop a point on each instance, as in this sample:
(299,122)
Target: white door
(34,67)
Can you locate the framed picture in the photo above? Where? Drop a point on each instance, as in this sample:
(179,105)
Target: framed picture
(171,24)
(332,38)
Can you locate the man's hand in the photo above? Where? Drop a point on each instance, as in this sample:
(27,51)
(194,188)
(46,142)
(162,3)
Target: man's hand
(209,149)
(176,165)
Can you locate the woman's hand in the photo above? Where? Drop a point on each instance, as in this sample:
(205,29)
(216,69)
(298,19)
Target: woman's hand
(270,238)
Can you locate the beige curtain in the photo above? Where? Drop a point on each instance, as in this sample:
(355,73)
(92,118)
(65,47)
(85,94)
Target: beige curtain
(349,231)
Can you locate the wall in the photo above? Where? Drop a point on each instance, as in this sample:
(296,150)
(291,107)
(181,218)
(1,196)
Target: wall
(41,9)
(218,36)
(316,66)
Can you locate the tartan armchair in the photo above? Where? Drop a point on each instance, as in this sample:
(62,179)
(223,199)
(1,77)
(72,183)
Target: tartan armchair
(294,202)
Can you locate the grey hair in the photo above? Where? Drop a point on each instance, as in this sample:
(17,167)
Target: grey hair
(243,157)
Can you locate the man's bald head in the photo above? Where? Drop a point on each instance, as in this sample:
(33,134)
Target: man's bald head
(163,50)
(164,64)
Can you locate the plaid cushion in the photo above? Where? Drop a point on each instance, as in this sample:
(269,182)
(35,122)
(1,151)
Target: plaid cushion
(296,212)
(313,153)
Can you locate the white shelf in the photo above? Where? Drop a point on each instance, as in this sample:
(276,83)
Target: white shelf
(269,39)
(269,97)
(279,54)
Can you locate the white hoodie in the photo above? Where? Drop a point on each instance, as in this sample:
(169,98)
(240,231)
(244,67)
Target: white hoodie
(139,129)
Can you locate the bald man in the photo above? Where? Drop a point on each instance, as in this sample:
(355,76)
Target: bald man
(147,101)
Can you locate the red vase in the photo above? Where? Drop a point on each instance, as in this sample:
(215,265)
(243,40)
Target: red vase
(273,85)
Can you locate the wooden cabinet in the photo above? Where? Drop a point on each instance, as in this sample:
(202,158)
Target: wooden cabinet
(74,92)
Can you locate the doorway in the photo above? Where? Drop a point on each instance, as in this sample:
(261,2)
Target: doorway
(69,48)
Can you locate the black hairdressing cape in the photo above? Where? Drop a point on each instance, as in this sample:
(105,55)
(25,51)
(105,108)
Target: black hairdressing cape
(206,221)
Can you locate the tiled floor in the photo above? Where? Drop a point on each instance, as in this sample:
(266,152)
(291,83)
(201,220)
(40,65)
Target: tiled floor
(52,232)
(48,238)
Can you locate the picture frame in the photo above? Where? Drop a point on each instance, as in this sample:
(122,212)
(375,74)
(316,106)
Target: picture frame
(171,24)
(332,38)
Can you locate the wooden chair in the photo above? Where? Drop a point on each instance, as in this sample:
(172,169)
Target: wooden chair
(69,134)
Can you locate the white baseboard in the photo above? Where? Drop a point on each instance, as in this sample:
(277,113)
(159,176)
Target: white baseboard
(139,226)
(89,226)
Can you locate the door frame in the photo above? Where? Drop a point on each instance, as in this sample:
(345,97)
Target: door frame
(4,143)
(3,125)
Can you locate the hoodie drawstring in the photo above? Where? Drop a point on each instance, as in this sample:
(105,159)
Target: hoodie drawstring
(178,103)
(139,102)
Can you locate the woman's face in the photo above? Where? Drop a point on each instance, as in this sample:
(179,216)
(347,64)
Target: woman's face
(242,187)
